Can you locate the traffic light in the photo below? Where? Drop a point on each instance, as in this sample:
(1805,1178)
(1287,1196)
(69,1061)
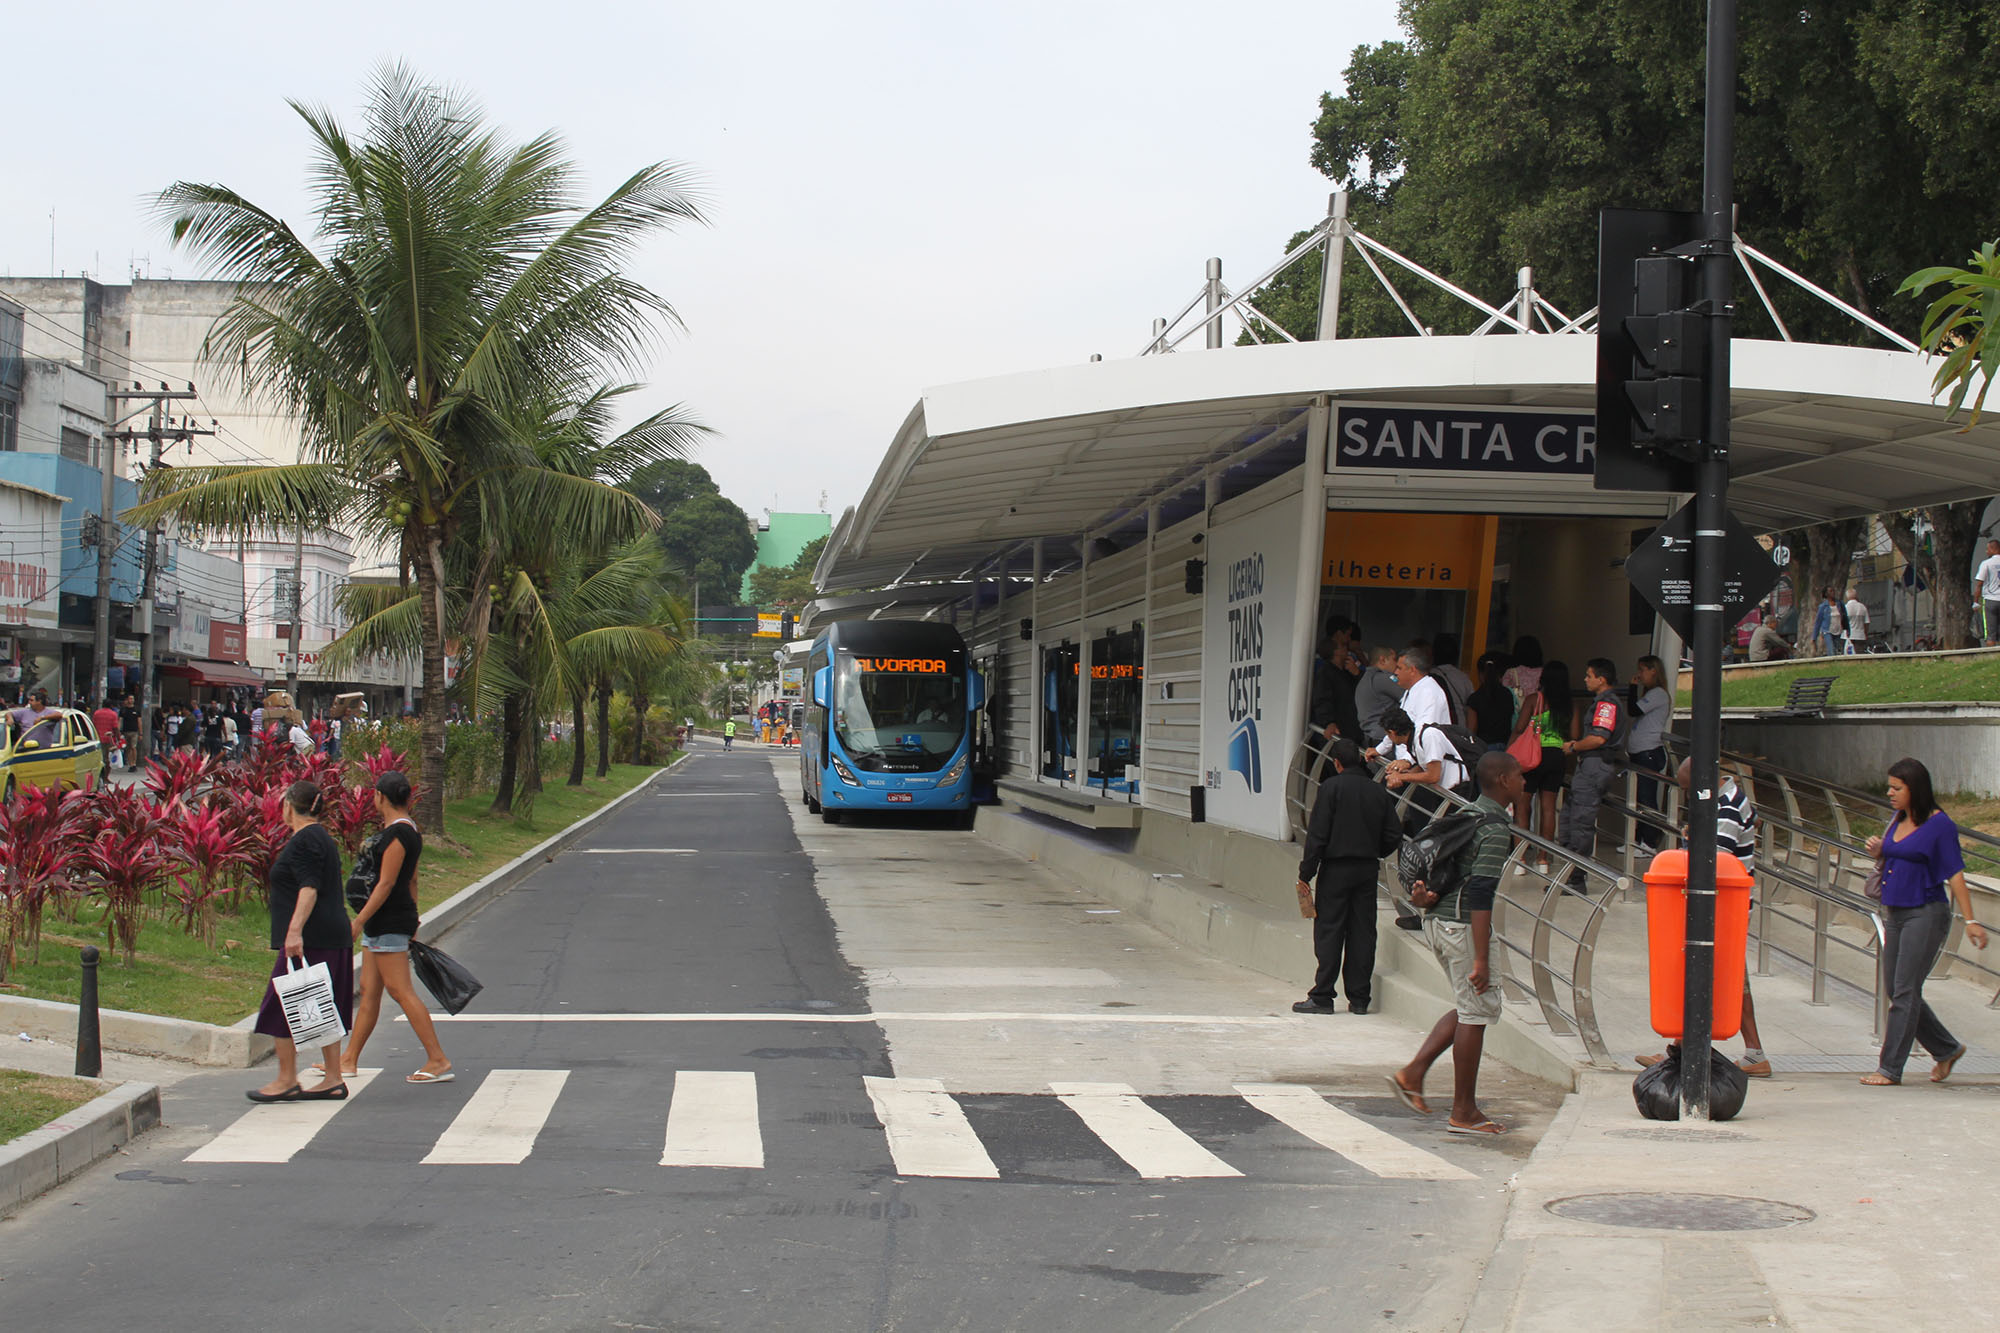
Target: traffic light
(1652,351)
(787,626)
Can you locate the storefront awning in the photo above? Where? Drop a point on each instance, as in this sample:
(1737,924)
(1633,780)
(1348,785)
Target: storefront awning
(215,673)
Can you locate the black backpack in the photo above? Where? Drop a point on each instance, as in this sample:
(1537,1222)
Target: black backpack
(1435,857)
(360,885)
(1469,748)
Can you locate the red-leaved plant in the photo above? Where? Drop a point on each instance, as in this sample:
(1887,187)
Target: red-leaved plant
(41,838)
(182,775)
(213,852)
(129,851)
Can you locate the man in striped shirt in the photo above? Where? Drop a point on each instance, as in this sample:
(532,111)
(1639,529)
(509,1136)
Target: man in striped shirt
(1735,834)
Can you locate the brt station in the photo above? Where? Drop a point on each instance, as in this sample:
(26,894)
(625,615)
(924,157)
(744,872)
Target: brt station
(1141,556)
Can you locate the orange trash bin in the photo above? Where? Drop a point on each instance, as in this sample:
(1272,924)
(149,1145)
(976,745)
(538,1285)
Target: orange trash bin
(1666,938)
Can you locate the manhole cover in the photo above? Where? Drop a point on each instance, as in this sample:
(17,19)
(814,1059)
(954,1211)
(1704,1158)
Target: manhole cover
(1681,1212)
(1685,1135)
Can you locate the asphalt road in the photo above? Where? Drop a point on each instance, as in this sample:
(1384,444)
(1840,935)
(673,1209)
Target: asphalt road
(676,988)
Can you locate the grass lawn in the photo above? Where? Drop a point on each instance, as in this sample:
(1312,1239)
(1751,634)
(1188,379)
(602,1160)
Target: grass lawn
(1863,680)
(178,976)
(28,1101)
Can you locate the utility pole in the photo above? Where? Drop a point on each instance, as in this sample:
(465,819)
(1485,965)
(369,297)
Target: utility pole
(298,612)
(1711,513)
(161,432)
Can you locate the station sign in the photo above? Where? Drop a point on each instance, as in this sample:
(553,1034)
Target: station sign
(1662,569)
(1485,440)
(1248,722)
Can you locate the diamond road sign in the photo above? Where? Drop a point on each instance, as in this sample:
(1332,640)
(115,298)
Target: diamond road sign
(1662,569)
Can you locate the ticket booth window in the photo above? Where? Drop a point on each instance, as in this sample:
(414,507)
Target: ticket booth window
(1408,576)
(1059,694)
(1117,666)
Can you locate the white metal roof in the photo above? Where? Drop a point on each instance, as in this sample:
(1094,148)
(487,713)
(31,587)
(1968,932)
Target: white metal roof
(981,467)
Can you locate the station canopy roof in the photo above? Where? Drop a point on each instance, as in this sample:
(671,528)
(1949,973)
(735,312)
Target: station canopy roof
(980,469)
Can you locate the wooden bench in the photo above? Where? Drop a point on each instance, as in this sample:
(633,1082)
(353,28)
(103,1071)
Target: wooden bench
(1805,697)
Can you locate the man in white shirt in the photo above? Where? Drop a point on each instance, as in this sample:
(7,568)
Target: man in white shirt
(1423,698)
(1421,757)
(1986,590)
(1857,623)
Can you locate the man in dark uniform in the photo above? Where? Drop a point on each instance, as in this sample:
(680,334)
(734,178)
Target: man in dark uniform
(1353,826)
(1332,701)
(1601,752)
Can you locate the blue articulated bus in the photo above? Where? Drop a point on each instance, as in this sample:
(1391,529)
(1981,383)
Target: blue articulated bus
(889,719)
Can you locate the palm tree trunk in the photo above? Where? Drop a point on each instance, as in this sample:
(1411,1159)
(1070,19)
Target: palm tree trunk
(510,753)
(603,726)
(531,747)
(640,703)
(430,717)
(577,749)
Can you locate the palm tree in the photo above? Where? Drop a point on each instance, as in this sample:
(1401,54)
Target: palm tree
(454,279)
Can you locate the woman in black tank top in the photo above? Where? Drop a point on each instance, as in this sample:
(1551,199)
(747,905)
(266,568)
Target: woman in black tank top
(384,927)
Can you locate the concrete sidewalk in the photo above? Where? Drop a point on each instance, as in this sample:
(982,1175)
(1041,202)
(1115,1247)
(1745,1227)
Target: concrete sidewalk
(1847,1208)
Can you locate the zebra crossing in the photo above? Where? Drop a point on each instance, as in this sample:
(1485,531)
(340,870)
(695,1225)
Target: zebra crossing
(714,1120)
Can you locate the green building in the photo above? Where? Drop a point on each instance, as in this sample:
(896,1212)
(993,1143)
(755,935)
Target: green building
(780,538)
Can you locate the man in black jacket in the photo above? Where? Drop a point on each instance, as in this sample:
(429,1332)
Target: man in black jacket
(1353,827)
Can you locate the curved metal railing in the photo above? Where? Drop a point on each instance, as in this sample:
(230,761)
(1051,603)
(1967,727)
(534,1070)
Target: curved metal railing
(1545,929)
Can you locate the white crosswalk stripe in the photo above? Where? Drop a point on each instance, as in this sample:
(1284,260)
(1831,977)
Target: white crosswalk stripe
(1150,1143)
(712,1120)
(499,1124)
(274,1133)
(1374,1151)
(928,1132)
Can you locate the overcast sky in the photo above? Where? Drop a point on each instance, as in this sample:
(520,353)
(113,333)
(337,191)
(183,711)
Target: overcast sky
(902,194)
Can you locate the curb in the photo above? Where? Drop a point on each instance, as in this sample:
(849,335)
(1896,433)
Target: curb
(42,1159)
(236,1046)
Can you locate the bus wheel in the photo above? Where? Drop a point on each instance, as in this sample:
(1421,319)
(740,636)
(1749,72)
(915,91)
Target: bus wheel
(812,806)
(962,820)
(830,816)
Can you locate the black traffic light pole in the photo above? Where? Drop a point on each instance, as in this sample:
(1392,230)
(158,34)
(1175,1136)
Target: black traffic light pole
(1711,499)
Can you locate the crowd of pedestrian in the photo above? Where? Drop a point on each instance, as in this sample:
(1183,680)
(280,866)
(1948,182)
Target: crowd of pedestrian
(1509,744)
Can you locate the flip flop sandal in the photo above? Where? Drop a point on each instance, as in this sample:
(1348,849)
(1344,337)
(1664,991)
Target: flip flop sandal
(1943,1068)
(421,1077)
(1488,1128)
(1414,1100)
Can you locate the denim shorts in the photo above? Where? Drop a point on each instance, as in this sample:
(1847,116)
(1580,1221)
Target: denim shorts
(386,943)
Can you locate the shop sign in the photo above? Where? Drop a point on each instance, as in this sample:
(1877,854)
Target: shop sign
(1446,439)
(127,650)
(226,642)
(24,585)
(1365,549)
(1248,660)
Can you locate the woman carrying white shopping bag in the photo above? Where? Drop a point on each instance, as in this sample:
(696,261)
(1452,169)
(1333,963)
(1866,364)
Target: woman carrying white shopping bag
(309,925)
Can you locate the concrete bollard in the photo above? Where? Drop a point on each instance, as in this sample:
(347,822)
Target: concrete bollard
(89,1048)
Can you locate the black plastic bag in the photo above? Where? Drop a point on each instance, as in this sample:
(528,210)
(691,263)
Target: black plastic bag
(1658,1090)
(443,976)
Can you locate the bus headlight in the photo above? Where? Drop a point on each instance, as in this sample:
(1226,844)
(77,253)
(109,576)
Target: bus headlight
(846,774)
(956,771)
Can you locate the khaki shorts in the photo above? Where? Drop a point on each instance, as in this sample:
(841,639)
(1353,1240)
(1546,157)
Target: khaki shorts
(1451,941)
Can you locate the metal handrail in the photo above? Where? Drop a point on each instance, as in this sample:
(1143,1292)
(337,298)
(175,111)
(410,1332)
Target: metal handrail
(1545,955)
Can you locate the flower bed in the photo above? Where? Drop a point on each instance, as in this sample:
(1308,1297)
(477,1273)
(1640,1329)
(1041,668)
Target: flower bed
(193,847)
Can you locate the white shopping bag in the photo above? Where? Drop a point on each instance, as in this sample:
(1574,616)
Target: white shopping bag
(306,994)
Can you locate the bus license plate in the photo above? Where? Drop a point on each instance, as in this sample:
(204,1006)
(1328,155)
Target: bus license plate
(900,798)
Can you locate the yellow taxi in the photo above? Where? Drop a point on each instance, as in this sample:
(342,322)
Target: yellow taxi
(60,750)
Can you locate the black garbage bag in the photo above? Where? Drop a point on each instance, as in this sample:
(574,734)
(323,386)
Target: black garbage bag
(443,976)
(1658,1090)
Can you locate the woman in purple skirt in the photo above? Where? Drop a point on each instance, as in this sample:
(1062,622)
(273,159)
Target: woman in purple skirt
(308,922)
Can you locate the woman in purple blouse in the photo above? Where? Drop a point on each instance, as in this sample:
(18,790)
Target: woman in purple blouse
(1920,861)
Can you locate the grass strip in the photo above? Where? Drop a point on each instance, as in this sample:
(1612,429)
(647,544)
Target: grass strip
(178,976)
(1863,680)
(29,1100)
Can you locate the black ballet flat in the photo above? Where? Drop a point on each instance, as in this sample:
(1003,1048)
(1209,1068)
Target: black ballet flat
(338,1094)
(292,1094)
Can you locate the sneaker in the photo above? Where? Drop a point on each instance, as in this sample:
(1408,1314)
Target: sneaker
(1310,1007)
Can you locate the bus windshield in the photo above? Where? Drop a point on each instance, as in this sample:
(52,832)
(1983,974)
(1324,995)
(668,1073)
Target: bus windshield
(893,712)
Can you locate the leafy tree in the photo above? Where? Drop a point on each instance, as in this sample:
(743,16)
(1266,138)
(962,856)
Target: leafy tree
(788,586)
(1491,135)
(709,542)
(668,484)
(456,278)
